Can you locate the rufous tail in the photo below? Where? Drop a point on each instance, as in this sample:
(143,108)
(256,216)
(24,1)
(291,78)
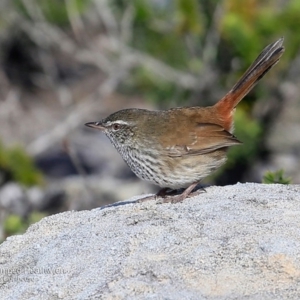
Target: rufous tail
(263,63)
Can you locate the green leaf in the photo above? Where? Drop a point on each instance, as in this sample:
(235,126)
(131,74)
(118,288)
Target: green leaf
(276,177)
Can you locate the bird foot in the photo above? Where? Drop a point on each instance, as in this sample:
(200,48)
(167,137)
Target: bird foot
(173,199)
(163,193)
(181,197)
(169,196)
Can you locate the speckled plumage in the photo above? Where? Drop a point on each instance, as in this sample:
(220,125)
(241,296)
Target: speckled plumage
(178,147)
(153,156)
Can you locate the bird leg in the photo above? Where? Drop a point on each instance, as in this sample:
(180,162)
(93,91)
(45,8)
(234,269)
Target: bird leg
(182,196)
(161,194)
(165,192)
(168,196)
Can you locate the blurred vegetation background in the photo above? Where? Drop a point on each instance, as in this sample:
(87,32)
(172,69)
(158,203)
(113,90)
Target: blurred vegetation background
(64,63)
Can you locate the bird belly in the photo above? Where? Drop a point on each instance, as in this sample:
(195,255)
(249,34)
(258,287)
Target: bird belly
(183,171)
(174,172)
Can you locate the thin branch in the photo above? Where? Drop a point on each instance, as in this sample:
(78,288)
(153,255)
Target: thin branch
(154,65)
(212,37)
(46,34)
(107,18)
(126,24)
(33,10)
(74,17)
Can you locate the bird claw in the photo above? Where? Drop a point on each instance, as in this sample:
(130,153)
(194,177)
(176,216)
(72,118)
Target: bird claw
(164,197)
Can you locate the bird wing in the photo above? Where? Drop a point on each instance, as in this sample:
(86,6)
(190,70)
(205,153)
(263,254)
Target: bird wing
(203,139)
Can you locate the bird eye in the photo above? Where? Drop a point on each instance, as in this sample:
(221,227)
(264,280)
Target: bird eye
(116,126)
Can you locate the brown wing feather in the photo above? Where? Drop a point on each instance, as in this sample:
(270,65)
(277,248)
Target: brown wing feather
(203,139)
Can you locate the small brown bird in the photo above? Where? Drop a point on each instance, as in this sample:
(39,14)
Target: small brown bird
(178,147)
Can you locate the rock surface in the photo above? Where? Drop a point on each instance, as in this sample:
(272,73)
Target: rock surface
(234,242)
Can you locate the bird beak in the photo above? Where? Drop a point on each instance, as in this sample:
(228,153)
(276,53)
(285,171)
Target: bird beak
(96,125)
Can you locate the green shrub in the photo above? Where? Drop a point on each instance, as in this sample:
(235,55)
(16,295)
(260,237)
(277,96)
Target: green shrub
(15,224)
(54,11)
(276,177)
(16,165)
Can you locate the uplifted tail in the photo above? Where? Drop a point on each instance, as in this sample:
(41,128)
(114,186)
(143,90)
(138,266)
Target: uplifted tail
(263,63)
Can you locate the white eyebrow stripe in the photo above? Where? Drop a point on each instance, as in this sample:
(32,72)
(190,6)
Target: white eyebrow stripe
(121,122)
